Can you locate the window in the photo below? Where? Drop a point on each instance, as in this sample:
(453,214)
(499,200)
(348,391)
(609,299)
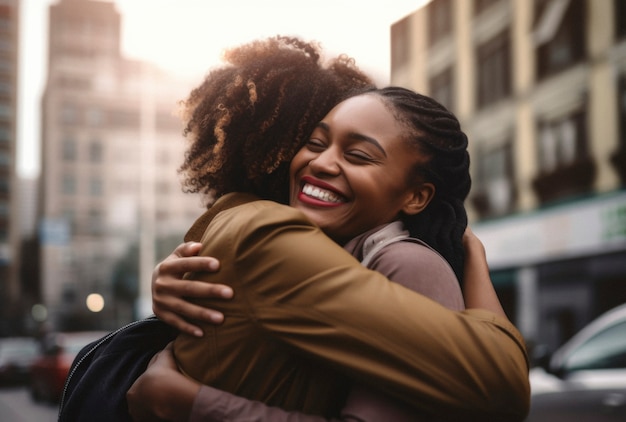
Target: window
(494,69)
(622,109)
(124,118)
(481,5)
(6,88)
(565,167)
(73,83)
(68,184)
(400,43)
(442,88)
(5,162)
(5,24)
(166,121)
(495,189)
(6,112)
(69,114)
(618,158)
(562,142)
(95,117)
(5,159)
(6,66)
(96,221)
(439,20)
(95,151)
(559,35)
(69,149)
(6,46)
(5,135)
(69,218)
(96,186)
(620,19)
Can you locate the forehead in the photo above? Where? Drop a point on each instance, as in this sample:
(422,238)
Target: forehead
(369,116)
(364,113)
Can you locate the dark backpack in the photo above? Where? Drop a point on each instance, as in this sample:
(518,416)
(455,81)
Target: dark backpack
(102,372)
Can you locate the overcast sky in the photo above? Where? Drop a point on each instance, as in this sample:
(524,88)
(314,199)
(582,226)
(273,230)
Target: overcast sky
(171,32)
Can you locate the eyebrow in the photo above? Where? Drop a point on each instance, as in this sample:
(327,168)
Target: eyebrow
(356,136)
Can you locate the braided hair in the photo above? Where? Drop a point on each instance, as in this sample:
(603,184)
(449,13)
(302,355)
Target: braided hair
(436,132)
(248,118)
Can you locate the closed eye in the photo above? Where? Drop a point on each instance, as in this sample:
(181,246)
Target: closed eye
(315,145)
(358,156)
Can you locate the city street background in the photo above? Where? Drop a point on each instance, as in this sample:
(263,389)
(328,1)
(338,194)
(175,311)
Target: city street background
(17,406)
(90,144)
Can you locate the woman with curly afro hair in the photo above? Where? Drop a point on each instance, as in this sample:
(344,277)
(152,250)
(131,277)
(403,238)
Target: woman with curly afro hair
(247,120)
(308,320)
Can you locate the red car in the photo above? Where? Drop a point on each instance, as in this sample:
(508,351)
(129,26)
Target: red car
(50,370)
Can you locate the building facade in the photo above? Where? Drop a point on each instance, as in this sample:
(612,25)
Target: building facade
(110,194)
(9,200)
(540,88)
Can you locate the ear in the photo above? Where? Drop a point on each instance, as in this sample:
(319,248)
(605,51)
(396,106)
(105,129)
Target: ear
(419,199)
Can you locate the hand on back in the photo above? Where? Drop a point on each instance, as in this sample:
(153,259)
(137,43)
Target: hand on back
(171,293)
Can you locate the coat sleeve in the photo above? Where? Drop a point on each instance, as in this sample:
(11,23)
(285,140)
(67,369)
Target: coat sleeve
(310,293)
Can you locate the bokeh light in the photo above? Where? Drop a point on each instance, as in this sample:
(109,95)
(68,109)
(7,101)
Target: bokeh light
(95,302)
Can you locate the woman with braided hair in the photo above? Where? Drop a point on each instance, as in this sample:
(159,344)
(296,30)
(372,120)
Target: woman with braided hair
(308,320)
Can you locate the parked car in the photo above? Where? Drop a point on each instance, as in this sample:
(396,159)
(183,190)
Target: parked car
(585,379)
(50,370)
(16,356)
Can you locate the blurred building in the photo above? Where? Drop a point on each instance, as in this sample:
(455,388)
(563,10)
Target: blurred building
(9,206)
(109,190)
(540,89)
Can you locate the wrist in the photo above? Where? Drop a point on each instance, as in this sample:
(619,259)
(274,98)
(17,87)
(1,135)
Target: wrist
(179,400)
(473,246)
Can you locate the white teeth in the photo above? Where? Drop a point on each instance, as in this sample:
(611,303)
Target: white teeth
(320,194)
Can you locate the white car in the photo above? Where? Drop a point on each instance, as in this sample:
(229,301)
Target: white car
(585,379)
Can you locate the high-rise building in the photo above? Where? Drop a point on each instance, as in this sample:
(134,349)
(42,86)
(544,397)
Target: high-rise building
(9,204)
(540,88)
(111,145)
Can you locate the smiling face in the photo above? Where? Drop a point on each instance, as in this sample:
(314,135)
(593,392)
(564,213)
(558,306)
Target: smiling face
(354,172)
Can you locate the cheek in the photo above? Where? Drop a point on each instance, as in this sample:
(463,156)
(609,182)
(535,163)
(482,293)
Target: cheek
(298,161)
(383,192)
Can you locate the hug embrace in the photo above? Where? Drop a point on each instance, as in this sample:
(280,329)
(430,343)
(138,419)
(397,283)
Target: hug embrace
(349,284)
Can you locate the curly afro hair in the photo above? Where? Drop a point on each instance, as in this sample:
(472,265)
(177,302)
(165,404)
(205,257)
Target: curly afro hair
(248,118)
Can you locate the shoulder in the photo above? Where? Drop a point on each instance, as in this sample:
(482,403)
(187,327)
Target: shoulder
(420,268)
(259,215)
(269,229)
(412,254)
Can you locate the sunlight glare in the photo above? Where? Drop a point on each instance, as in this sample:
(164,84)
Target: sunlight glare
(187,37)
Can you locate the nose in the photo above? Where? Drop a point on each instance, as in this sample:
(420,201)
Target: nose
(326,162)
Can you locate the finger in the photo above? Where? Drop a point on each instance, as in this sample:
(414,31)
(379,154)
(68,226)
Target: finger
(201,289)
(167,286)
(187,249)
(180,324)
(186,310)
(174,265)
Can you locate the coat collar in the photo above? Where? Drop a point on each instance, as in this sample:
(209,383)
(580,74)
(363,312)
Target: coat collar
(230,200)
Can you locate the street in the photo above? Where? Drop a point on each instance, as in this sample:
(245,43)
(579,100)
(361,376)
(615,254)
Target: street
(17,406)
